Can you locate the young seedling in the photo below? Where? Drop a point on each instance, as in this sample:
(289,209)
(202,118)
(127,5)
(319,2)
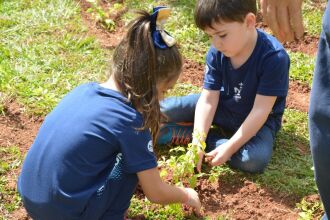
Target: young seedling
(183,166)
(102,17)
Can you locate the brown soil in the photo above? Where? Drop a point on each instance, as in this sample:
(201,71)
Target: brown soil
(17,129)
(239,199)
(107,39)
(236,199)
(307,45)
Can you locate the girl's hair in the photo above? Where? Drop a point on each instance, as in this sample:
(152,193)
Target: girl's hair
(209,11)
(138,67)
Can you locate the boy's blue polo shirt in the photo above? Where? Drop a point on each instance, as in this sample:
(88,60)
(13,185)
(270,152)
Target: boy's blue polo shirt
(266,72)
(84,160)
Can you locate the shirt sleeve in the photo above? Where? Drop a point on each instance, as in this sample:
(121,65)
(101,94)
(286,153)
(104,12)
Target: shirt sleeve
(212,74)
(274,78)
(137,150)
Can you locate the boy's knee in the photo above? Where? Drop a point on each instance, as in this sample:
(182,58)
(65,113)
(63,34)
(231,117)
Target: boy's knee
(250,165)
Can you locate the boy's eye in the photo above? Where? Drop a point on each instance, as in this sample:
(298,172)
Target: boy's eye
(222,36)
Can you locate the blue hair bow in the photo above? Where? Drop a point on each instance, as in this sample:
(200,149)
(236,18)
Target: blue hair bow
(161,38)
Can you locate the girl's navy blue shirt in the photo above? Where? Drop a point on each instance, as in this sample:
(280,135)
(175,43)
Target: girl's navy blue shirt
(266,72)
(84,160)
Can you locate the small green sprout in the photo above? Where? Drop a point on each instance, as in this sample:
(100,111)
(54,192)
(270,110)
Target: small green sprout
(182,164)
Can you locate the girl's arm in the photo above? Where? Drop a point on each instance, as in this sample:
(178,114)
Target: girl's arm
(204,114)
(252,124)
(157,191)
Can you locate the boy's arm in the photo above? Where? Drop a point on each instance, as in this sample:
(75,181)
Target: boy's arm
(157,191)
(204,114)
(252,124)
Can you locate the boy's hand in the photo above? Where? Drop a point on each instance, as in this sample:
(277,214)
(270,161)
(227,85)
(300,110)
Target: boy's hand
(284,17)
(219,155)
(193,200)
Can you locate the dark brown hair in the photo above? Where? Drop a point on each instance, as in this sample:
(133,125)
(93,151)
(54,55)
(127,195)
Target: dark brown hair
(138,66)
(209,11)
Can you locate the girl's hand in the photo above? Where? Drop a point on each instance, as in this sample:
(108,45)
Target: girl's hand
(193,200)
(219,155)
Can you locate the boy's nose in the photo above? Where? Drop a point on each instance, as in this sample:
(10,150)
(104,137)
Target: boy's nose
(217,43)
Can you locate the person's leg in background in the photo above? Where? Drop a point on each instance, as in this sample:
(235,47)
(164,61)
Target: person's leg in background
(319,115)
(180,109)
(180,113)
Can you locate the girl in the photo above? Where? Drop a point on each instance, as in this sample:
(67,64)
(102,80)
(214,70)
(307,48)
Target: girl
(97,144)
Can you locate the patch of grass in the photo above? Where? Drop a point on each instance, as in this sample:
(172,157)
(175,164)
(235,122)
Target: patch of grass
(153,211)
(43,57)
(11,160)
(181,89)
(103,16)
(169,212)
(312,14)
(192,41)
(290,170)
(310,210)
(302,68)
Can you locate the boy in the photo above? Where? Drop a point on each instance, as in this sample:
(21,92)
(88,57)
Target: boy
(244,92)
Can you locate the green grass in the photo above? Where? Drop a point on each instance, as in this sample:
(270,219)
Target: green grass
(43,57)
(302,68)
(192,41)
(11,159)
(290,170)
(181,89)
(153,211)
(313,16)
(44,53)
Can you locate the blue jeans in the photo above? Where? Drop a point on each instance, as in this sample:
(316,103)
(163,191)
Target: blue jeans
(253,157)
(319,115)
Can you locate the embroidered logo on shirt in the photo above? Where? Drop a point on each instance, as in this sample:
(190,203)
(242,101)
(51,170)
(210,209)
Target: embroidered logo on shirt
(116,173)
(237,91)
(206,69)
(117,168)
(150,147)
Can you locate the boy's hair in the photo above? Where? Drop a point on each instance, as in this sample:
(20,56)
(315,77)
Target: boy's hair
(138,67)
(209,11)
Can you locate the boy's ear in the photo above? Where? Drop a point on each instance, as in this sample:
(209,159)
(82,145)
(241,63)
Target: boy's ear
(250,20)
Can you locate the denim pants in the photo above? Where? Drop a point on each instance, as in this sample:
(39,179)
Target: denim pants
(319,115)
(252,157)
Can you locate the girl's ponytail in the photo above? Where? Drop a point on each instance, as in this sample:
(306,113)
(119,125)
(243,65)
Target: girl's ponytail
(139,64)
